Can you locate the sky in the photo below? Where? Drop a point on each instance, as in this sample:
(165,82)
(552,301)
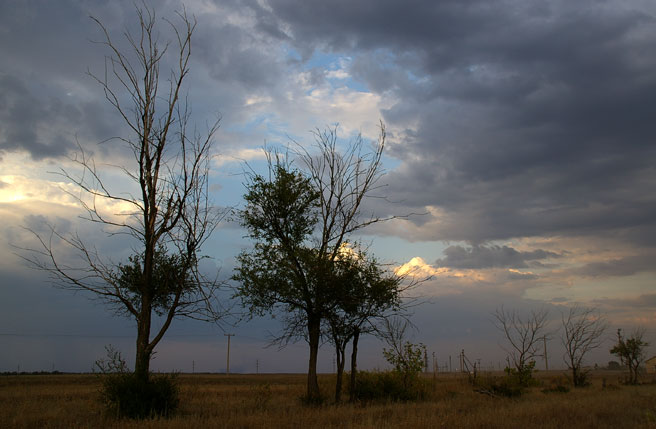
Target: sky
(521,132)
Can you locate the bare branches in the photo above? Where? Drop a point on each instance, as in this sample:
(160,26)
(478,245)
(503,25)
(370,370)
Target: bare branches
(522,334)
(343,180)
(169,213)
(583,330)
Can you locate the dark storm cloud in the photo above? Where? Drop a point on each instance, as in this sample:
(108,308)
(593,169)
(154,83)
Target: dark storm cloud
(29,121)
(47,98)
(620,267)
(642,301)
(478,257)
(523,118)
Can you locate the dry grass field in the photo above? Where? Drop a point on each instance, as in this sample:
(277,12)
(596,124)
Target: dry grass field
(272,401)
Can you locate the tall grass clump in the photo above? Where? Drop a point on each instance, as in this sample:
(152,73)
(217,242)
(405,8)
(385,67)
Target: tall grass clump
(389,386)
(125,395)
(512,385)
(403,383)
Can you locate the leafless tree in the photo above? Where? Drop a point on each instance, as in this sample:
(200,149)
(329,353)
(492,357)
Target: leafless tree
(583,330)
(170,216)
(523,335)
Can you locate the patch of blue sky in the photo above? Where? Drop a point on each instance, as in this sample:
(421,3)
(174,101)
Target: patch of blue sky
(335,68)
(390,163)
(397,250)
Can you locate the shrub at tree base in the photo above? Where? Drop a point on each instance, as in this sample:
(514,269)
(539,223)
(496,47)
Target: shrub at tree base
(507,386)
(511,385)
(126,395)
(388,386)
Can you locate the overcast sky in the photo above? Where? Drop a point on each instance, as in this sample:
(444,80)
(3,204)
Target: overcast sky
(524,131)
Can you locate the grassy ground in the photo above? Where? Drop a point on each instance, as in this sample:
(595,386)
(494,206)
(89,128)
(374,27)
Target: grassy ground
(272,401)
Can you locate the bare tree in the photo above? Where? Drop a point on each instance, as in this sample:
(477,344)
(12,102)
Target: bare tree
(170,216)
(523,335)
(583,330)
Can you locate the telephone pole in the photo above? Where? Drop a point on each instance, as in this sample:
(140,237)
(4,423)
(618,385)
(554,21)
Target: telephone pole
(228,358)
(546,362)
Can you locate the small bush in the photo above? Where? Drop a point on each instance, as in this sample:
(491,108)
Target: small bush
(524,375)
(125,395)
(512,385)
(259,396)
(388,386)
(508,386)
(559,388)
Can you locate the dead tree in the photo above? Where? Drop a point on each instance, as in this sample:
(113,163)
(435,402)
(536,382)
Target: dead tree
(583,329)
(168,214)
(523,336)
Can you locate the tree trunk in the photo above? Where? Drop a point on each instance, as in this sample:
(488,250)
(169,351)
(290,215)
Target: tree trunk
(340,371)
(142,360)
(314,333)
(354,364)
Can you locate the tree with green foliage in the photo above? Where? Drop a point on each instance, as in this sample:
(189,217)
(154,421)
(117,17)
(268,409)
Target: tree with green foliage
(300,221)
(406,357)
(362,293)
(283,270)
(631,352)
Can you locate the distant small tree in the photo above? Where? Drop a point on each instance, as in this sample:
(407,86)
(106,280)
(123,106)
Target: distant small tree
(583,329)
(631,352)
(614,365)
(523,335)
(406,357)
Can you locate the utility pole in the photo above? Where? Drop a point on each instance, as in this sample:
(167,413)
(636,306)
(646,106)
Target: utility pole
(228,359)
(546,362)
(257,366)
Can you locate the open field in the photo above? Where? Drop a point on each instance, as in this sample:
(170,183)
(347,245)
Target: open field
(272,401)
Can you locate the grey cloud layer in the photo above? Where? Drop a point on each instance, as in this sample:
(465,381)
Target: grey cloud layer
(492,257)
(531,118)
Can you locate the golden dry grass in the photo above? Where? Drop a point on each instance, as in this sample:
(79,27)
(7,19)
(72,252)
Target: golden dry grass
(272,401)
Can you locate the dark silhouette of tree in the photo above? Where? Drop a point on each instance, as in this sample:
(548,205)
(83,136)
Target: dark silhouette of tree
(362,294)
(169,216)
(300,220)
(523,335)
(631,352)
(583,330)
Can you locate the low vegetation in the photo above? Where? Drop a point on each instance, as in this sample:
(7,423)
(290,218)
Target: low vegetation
(273,400)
